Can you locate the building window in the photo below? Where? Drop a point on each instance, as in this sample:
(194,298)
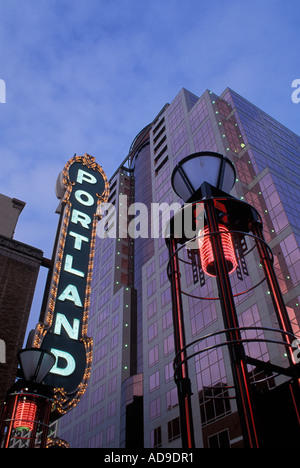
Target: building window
(169,372)
(175,115)
(112,385)
(101,334)
(98,395)
(96,441)
(151,289)
(97,418)
(103,315)
(172,398)
(154,381)
(150,269)
(156,437)
(164,258)
(294,321)
(259,349)
(214,403)
(165,297)
(115,303)
(114,322)
(79,434)
(204,139)
(162,164)
(153,356)
(152,332)
(173,429)
(169,345)
(163,277)
(198,114)
(179,138)
(110,435)
(155,408)
(111,410)
(114,341)
(220,440)
(201,316)
(113,362)
(167,320)
(151,308)
(98,374)
(100,353)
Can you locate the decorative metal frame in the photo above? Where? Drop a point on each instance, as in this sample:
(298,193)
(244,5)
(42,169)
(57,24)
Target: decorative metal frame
(241,220)
(37,437)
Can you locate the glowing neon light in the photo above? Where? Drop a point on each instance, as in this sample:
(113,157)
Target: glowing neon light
(69,267)
(71,294)
(25,416)
(207,254)
(83,188)
(84,198)
(66,357)
(72,331)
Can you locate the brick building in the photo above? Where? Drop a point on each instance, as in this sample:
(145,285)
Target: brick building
(19,268)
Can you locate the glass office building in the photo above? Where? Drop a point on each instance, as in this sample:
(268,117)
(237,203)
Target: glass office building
(131,400)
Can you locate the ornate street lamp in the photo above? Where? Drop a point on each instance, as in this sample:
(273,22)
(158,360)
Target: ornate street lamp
(26,412)
(194,174)
(203,181)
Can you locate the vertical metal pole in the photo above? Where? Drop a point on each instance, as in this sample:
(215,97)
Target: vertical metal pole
(280,309)
(46,419)
(5,415)
(183,382)
(236,350)
(267,264)
(33,433)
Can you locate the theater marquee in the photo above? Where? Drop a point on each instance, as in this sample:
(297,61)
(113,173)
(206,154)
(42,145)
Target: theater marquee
(64,331)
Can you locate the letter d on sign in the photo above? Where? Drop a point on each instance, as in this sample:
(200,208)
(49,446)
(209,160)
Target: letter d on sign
(2,92)
(70,361)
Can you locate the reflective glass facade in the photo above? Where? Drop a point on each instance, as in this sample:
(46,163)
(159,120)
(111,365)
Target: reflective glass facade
(131,311)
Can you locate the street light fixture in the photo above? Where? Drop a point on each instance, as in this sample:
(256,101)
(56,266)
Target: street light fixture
(205,179)
(28,403)
(194,174)
(35,364)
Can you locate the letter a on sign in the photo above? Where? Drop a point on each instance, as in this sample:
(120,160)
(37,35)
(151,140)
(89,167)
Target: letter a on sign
(83,189)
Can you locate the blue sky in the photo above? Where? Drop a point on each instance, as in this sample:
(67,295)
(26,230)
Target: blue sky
(88,76)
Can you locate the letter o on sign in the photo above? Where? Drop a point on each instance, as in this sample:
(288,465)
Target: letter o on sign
(84,198)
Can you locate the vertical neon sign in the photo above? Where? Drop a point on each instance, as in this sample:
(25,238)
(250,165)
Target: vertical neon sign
(64,330)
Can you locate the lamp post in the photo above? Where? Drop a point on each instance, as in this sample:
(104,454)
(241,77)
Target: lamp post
(204,176)
(220,224)
(182,379)
(28,404)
